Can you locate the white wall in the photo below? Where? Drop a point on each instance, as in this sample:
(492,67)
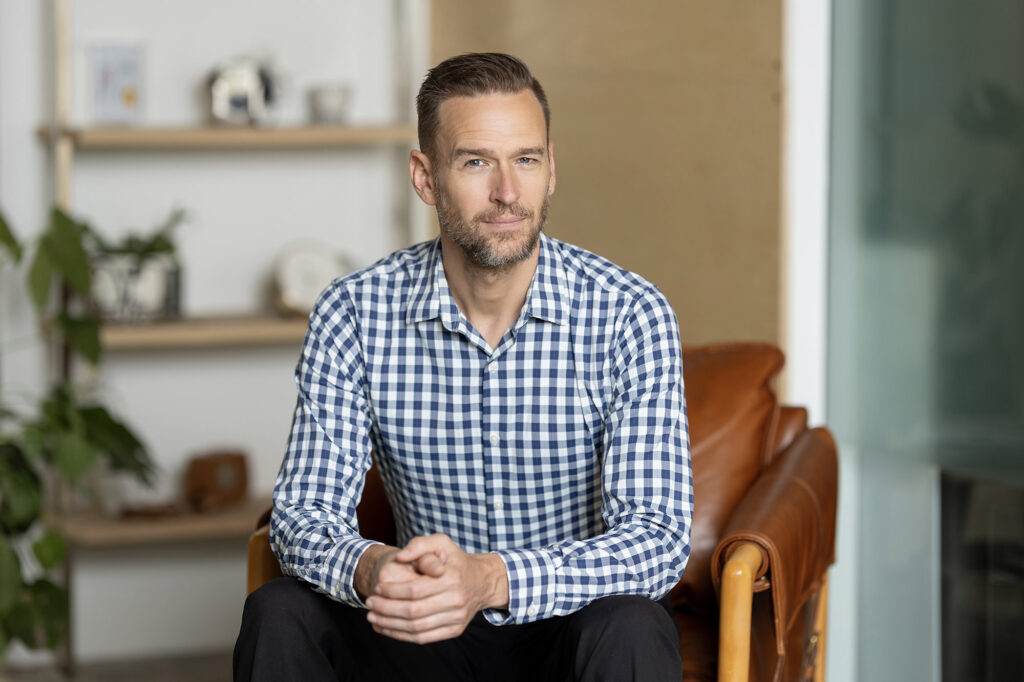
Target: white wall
(245,207)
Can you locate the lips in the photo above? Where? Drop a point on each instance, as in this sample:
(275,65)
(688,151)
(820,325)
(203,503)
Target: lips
(507,217)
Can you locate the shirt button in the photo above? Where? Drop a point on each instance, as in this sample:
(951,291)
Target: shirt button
(531,610)
(495,438)
(491,366)
(496,500)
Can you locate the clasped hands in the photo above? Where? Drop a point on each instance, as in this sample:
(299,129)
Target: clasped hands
(428,590)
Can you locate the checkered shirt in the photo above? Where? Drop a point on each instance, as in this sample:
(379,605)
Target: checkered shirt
(564,450)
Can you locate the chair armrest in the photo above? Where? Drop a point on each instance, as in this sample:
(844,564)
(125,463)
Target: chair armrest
(788,515)
(263,565)
(737,580)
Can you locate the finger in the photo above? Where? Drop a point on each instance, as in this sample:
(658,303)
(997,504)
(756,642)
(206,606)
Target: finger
(415,609)
(420,625)
(396,572)
(430,564)
(419,588)
(437,635)
(439,543)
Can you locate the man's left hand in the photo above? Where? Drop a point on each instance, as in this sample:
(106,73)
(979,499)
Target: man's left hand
(452,586)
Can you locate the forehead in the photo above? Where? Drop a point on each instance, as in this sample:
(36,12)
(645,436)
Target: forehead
(495,120)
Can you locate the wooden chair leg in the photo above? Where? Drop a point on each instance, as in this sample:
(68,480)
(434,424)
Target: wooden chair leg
(820,625)
(734,625)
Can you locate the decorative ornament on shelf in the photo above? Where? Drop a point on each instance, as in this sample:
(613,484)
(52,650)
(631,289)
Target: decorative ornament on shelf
(216,480)
(301,273)
(240,91)
(329,104)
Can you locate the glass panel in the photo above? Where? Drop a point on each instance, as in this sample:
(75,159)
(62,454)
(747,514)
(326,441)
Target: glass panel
(926,365)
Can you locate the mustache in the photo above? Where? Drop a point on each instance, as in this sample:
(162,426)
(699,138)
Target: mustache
(517,210)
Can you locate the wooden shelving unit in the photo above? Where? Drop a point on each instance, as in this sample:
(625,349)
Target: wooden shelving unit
(93,531)
(204,332)
(230,138)
(71,140)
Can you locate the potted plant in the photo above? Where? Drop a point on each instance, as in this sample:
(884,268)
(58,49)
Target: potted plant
(138,277)
(70,435)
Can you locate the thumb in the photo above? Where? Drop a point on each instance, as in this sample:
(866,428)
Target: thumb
(431,565)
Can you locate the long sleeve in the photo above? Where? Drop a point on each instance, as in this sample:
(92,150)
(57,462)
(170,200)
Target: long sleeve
(646,485)
(313,525)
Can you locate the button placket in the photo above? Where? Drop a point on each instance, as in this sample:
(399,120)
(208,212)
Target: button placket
(493,438)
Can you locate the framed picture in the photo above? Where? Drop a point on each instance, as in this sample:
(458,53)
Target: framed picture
(116,75)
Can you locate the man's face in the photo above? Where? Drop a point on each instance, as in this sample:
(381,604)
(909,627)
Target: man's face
(493,175)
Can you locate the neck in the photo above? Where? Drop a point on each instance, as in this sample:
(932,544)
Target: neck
(491,298)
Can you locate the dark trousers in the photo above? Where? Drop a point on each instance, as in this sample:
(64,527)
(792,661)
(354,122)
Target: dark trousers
(291,632)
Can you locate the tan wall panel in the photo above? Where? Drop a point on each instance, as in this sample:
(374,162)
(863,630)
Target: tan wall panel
(666,124)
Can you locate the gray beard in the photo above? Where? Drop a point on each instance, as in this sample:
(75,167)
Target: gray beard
(478,246)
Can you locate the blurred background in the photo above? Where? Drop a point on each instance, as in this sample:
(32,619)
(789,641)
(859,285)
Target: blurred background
(841,179)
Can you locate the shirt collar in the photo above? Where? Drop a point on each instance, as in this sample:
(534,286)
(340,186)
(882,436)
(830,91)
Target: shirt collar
(427,274)
(547,299)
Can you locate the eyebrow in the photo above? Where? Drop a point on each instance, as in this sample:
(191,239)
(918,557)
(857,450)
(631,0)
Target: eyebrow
(525,151)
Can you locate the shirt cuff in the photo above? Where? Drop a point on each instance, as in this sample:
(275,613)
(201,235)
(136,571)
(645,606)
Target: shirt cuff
(340,568)
(532,586)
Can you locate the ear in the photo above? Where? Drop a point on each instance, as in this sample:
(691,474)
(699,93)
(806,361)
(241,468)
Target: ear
(422,177)
(551,163)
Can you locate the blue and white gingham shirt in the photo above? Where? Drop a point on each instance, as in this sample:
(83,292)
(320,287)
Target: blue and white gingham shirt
(564,450)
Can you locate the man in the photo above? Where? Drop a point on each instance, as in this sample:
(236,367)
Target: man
(524,401)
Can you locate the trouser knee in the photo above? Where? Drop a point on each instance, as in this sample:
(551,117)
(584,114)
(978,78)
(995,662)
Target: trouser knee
(625,637)
(278,604)
(629,617)
(290,632)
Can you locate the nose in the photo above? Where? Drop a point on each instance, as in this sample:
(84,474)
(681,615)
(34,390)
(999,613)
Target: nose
(506,188)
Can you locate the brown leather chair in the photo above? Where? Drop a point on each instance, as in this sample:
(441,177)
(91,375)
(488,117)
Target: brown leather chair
(751,604)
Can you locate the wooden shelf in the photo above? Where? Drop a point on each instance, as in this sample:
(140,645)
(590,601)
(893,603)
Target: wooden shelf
(204,332)
(94,531)
(231,138)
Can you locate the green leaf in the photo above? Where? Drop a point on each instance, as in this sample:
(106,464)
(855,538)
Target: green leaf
(50,609)
(123,448)
(40,277)
(64,241)
(83,335)
(21,504)
(10,576)
(9,242)
(53,413)
(58,410)
(20,622)
(4,641)
(33,443)
(73,455)
(21,495)
(50,549)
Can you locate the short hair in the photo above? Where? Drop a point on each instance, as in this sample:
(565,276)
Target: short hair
(471,75)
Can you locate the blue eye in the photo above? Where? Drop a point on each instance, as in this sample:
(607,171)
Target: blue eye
(475,163)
